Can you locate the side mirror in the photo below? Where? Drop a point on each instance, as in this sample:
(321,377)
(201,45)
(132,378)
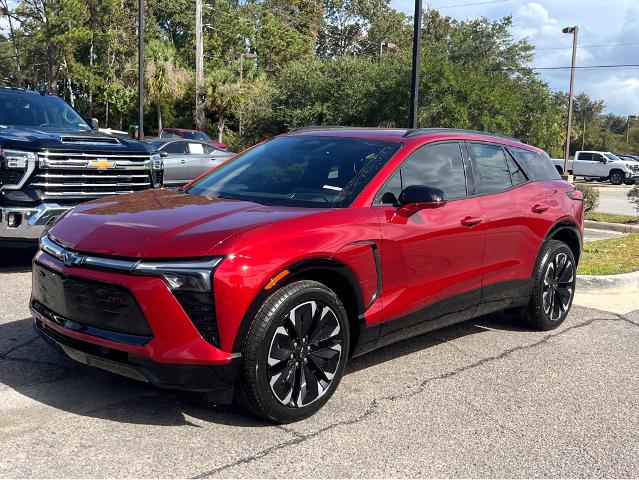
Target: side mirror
(95,124)
(164,154)
(419,197)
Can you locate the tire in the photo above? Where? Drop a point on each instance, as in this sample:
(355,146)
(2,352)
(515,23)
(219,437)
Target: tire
(292,368)
(553,287)
(617,177)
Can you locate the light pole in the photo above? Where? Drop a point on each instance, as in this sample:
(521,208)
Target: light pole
(417,47)
(199,67)
(575,31)
(243,56)
(141,70)
(630,117)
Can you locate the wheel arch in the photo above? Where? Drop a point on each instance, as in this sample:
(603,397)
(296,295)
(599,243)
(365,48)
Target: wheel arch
(334,274)
(567,232)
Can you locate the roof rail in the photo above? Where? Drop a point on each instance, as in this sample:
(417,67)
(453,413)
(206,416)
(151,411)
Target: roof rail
(425,131)
(310,128)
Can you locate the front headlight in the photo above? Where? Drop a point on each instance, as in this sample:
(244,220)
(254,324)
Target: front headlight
(181,275)
(157,163)
(17,159)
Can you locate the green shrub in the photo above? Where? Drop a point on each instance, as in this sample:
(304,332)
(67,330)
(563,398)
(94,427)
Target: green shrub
(591,196)
(633,196)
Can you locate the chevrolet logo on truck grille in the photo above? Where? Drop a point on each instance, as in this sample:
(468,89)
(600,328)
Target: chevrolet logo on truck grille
(101,164)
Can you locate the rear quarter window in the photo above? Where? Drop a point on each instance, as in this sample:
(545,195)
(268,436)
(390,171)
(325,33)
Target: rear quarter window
(537,166)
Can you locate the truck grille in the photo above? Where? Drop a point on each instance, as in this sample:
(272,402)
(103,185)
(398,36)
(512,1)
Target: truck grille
(85,176)
(635,168)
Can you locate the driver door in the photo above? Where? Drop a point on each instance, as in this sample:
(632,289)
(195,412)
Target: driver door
(431,261)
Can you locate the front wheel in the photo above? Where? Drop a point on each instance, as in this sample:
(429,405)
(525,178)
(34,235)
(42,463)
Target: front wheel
(553,286)
(295,352)
(617,177)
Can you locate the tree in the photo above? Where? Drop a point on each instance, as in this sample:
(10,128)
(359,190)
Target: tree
(164,79)
(222,97)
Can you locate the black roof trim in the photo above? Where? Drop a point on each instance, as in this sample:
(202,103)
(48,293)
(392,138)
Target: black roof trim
(430,131)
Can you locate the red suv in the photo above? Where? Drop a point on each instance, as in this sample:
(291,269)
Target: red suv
(262,277)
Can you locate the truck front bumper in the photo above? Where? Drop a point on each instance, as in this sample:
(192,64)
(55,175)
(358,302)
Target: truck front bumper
(19,224)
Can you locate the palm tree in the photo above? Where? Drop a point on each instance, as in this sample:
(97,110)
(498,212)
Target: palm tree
(223,94)
(165,80)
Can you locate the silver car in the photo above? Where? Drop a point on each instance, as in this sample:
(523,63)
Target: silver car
(185,159)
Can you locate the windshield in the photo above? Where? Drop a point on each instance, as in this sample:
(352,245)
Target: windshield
(299,171)
(197,136)
(613,157)
(31,110)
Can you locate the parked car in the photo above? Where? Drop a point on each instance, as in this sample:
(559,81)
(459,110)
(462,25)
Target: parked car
(274,269)
(185,160)
(52,159)
(190,135)
(600,166)
(635,165)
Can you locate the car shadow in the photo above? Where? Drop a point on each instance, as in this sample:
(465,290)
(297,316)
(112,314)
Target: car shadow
(30,366)
(16,260)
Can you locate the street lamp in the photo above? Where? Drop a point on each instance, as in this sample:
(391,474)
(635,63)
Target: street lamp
(417,47)
(243,56)
(630,117)
(575,31)
(141,70)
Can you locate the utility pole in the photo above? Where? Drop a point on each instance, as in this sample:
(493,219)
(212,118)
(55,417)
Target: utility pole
(575,31)
(141,70)
(199,66)
(630,117)
(417,48)
(243,56)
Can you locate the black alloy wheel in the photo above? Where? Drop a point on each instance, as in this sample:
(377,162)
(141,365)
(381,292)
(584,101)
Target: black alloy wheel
(558,288)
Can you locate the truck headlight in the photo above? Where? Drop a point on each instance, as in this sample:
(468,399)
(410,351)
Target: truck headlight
(157,163)
(181,275)
(17,159)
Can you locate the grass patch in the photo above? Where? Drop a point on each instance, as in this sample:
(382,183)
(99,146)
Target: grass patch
(607,257)
(612,218)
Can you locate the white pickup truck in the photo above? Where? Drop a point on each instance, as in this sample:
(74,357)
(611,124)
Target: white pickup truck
(601,166)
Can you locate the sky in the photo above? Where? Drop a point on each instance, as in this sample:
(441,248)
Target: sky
(603,26)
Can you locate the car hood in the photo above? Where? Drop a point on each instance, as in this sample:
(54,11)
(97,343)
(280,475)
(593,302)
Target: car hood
(48,138)
(162,224)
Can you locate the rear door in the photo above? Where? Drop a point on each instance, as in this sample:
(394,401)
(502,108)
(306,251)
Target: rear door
(175,163)
(512,203)
(432,260)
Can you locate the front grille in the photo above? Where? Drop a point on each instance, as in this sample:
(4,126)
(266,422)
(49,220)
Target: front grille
(635,168)
(84,176)
(200,308)
(74,303)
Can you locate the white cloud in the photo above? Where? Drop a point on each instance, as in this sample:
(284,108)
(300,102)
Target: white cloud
(600,23)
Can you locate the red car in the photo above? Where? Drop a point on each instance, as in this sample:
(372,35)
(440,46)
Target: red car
(264,276)
(190,135)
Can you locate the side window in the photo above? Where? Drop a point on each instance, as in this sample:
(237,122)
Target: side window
(517,175)
(491,170)
(537,166)
(439,165)
(585,156)
(175,147)
(597,157)
(208,149)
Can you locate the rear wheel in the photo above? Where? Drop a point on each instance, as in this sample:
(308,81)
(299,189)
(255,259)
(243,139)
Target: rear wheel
(553,287)
(295,352)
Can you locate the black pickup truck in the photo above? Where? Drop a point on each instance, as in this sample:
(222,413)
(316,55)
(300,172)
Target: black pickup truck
(51,159)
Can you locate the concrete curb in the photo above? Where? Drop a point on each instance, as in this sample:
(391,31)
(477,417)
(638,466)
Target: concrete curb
(622,282)
(616,227)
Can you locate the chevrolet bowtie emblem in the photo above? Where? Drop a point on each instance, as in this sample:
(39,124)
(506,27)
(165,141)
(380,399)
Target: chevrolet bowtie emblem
(101,164)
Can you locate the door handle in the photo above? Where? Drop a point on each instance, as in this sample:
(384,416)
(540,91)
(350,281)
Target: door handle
(540,208)
(470,221)
(182,161)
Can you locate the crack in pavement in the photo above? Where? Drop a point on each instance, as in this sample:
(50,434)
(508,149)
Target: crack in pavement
(301,438)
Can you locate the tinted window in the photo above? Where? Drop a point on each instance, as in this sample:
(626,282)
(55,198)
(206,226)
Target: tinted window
(537,166)
(299,171)
(492,173)
(439,165)
(585,156)
(175,147)
(517,175)
(196,136)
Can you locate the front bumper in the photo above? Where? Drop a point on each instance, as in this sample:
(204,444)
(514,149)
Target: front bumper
(27,223)
(218,382)
(174,356)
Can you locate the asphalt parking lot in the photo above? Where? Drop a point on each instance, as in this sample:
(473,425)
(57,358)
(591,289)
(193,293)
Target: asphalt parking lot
(482,399)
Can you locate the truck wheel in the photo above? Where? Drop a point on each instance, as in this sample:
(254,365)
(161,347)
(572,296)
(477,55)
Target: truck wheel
(617,177)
